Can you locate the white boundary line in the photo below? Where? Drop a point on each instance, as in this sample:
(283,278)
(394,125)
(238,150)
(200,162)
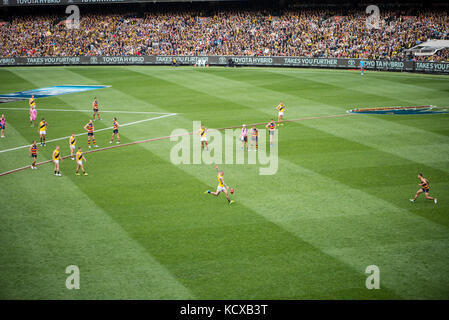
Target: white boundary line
(103,111)
(103,129)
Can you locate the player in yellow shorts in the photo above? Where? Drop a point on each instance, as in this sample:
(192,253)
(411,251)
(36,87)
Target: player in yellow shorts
(72,144)
(281,109)
(203,137)
(43,126)
(221,186)
(56,159)
(79,162)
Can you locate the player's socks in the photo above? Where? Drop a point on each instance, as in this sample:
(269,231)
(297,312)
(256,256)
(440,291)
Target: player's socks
(412,200)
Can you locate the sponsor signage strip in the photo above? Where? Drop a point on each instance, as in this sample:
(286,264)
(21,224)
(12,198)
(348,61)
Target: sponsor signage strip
(383,65)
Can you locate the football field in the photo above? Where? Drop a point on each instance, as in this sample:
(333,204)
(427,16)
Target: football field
(140,227)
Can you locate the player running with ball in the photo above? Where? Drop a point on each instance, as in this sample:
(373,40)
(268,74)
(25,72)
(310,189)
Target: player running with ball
(221,186)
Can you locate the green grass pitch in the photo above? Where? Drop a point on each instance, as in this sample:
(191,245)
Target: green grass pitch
(140,227)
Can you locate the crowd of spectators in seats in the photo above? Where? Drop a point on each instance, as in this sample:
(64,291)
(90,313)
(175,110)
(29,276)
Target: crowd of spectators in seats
(295,32)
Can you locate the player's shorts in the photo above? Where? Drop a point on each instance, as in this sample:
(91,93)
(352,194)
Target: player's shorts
(43,132)
(281,113)
(90,134)
(72,146)
(115,131)
(2,126)
(80,162)
(425,190)
(254,138)
(32,118)
(34,156)
(96,110)
(220,189)
(203,139)
(245,138)
(271,132)
(56,161)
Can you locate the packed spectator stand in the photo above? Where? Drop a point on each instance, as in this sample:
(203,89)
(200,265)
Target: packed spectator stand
(248,32)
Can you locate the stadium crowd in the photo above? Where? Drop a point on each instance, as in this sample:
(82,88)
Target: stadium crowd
(307,33)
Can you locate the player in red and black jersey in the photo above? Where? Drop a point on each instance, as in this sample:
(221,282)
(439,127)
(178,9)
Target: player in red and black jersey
(424,189)
(115,127)
(33,154)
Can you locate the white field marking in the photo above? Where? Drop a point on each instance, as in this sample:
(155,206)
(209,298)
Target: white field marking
(103,129)
(103,111)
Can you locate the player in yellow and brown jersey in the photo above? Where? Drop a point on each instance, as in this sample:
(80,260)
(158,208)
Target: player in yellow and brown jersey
(281,109)
(42,130)
(203,137)
(56,156)
(89,127)
(72,145)
(221,186)
(424,184)
(32,102)
(115,127)
(95,109)
(79,162)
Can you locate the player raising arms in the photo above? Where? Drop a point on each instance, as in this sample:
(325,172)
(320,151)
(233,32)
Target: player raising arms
(43,126)
(33,154)
(79,162)
(56,158)
(2,126)
(95,108)
(221,186)
(90,133)
(271,126)
(203,137)
(281,109)
(115,127)
(254,138)
(72,144)
(33,111)
(424,188)
(244,137)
